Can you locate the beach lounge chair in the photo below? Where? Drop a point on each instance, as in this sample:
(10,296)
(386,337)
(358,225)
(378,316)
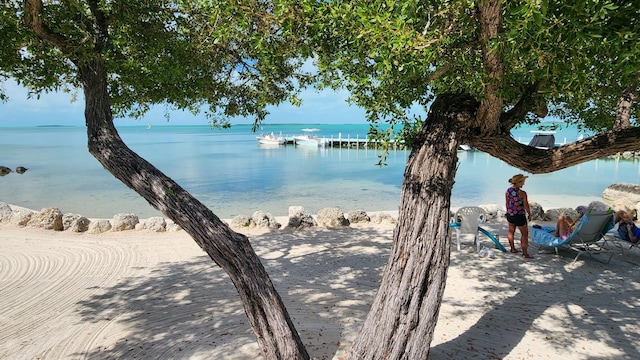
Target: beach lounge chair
(588,236)
(469,218)
(625,246)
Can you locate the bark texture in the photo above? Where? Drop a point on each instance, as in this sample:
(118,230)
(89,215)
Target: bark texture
(267,315)
(489,15)
(538,161)
(623,109)
(404,312)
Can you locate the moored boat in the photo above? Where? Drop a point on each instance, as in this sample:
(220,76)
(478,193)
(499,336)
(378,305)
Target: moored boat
(271,139)
(310,140)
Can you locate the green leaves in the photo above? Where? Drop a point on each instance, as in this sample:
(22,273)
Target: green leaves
(391,55)
(240,56)
(233,55)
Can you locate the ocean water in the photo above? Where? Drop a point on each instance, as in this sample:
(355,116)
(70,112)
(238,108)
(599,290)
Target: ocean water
(232,174)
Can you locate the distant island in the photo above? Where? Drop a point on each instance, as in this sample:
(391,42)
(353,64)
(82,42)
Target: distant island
(51,126)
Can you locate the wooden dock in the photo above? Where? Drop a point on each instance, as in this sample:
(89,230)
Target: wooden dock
(349,142)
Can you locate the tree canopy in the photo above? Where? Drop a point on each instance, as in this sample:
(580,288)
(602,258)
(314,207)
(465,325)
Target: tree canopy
(231,56)
(525,59)
(237,57)
(480,67)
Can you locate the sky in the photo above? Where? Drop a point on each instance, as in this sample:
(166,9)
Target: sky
(325,107)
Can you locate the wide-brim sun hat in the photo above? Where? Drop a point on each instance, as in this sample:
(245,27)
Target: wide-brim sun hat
(517,178)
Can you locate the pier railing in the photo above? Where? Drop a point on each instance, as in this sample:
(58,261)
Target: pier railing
(355,142)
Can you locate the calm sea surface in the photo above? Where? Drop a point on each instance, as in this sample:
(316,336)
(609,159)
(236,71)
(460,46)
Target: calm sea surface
(232,174)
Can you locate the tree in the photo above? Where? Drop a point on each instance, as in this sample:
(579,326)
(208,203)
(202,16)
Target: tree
(481,68)
(126,55)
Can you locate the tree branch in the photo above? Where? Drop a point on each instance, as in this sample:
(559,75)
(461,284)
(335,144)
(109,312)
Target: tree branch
(101,24)
(538,161)
(490,15)
(32,20)
(623,109)
(510,118)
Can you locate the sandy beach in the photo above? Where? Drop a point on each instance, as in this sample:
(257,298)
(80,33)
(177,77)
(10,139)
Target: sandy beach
(141,294)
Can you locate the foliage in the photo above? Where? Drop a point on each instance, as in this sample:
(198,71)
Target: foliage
(231,55)
(390,55)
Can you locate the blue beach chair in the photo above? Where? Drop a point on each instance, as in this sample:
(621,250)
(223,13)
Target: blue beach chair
(588,236)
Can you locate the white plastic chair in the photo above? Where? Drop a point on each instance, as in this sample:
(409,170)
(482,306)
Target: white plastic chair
(469,218)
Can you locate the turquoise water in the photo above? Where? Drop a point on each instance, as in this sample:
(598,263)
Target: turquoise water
(232,174)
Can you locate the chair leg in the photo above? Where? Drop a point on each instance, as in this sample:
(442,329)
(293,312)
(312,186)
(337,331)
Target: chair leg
(458,238)
(610,256)
(576,258)
(624,252)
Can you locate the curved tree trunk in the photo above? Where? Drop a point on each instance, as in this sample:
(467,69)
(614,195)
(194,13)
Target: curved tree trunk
(404,312)
(267,315)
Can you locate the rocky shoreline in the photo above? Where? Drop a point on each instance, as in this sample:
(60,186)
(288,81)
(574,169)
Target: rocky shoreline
(299,218)
(621,196)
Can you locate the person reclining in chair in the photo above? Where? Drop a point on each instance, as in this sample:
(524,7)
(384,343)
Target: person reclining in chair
(566,225)
(627,229)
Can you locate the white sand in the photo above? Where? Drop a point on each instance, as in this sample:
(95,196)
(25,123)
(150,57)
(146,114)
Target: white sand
(138,294)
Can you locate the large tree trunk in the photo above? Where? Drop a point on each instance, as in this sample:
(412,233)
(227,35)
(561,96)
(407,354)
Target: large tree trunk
(267,315)
(404,312)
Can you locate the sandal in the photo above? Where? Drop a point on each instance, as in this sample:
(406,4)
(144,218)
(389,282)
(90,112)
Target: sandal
(515,251)
(528,256)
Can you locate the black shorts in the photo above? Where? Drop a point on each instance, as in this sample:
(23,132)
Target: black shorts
(517,220)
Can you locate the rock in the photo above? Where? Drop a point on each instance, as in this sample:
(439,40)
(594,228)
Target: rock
(494,211)
(598,206)
(264,220)
(379,218)
(622,196)
(296,210)
(47,218)
(4,170)
(155,223)
(123,222)
(332,218)
(21,169)
(537,212)
(67,219)
(552,214)
(75,222)
(358,216)
(171,226)
(240,221)
(99,226)
(628,155)
(80,224)
(20,217)
(5,212)
(299,218)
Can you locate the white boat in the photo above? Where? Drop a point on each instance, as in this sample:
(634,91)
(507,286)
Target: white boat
(310,140)
(271,139)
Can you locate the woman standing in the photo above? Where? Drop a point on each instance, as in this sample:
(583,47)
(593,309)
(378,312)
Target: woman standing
(517,213)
